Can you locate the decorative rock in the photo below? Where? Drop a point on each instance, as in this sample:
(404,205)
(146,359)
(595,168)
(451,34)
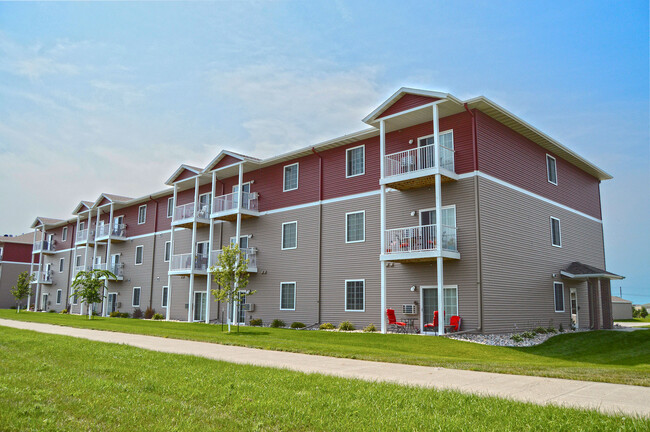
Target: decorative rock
(504,339)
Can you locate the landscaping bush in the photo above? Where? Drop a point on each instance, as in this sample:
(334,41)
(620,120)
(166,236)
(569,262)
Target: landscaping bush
(326,326)
(64,311)
(13,307)
(528,334)
(124,315)
(517,338)
(346,326)
(277,323)
(561,328)
(256,322)
(370,328)
(540,330)
(51,311)
(636,313)
(551,330)
(114,314)
(137,313)
(95,313)
(297,325)
(149,313)
(158,316)
(643,313)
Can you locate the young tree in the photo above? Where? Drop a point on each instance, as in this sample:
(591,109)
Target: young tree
(231,274)
(22,288)
(88,286)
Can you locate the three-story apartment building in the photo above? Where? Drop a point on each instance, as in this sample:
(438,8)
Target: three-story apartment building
(438,199)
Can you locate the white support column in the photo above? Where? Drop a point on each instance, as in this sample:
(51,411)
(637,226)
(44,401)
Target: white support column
(31,272)
(171,258)
(37,296)
(74,258)
(108,257)
(190,302)
(439,261)
(235,310)
(436,135)
(208,287)
(92,264)
(382,224)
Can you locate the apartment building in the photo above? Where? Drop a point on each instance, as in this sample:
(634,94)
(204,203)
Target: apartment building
(15,258)
(438,198)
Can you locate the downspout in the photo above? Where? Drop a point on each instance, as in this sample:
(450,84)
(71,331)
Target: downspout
(320,225)
(477,218)
(155,233)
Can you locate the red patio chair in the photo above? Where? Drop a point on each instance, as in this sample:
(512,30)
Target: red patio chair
(434,325)
(454,323)
(392,321)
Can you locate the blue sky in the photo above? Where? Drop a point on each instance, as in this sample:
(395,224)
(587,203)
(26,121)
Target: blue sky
(110,97)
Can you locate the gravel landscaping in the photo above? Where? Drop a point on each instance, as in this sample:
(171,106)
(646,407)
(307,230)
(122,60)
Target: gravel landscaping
(505,339)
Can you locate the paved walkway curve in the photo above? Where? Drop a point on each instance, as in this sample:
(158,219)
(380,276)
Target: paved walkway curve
(604,397)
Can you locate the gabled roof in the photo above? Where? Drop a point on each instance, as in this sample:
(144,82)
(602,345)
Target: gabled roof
(26,238)
(45,221)
(83,206)
(183,169)
(577,270)
(237,157)
(433,95)
(111,198)
(616,299)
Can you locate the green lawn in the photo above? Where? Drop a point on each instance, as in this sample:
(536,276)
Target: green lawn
(606,356)
(646,319)
(52,382)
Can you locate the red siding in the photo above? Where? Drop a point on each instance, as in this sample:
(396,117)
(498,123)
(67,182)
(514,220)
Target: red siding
(164,223)
(58,236)
(131,219)
(225,161)
(104,201)
(407,102)
(17,252)
(185,174)
(511,157)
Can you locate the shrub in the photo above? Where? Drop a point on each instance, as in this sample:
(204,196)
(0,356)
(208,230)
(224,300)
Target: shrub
(124,315)
(636,313)
(158,316)
(551,330)
(644,312)
(561,328)
(540,330)
(297,325)
(114,314)
(276,323)
(95,313)
(13,307)
(64,311)
(370,328)
(326,326)
(256,322)
(528,334)
(346,326)
(517,338)
(149,313)
(52,311)
(137,313)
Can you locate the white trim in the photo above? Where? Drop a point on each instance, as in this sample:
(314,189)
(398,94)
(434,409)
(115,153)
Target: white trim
(163,297)
(64,234)
(451,131)
(165,251)
(548,173)
(555,299)
(397,95)
(136,254)
(559,231)
(16,262)
(145,214)
(364,227)
(591,275)
(435,287)
(242,185)
(364,161)
(57,297)
(284,177)
(170,207)
(133,296)
(295,289)
(282,236)
(345,299)
(441,208)
(61,264)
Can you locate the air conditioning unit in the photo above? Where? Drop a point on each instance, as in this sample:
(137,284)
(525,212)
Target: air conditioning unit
(248,307)
(119,305)
(409,309)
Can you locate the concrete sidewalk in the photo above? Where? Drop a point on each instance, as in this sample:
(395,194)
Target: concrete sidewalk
(607,398)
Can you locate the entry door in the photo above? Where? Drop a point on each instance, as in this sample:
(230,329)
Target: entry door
(115,262)
(98,263)
(204,204)
(243,242)
(117,223)
(246,187)
(48,268)
(112,303)
(573,295)
(427,153)
(44,304)
(430,303)
(200,299)
(241,314)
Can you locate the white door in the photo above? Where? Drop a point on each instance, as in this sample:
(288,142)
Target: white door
(112,303)
(205,201)
(115,263)
(44,302)
(429,303)
(117,225)
(573,298)
(243,242)
(97,264)
(200,299)
(426,154)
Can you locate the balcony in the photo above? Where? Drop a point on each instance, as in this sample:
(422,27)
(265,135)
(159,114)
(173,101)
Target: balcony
(417,167)
(249,253)
(182,264)
(225,207)
(419,243)
(44,277)
(116,269)
(85,236)
(114,232)
(77,269)
(47,247)
(185,215)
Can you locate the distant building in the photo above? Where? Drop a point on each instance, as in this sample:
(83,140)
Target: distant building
(621,308)
(15,258)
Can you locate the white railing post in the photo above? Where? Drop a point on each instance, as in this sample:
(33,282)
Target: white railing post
(194,255)
(171,254)
(208,287)
(382,212)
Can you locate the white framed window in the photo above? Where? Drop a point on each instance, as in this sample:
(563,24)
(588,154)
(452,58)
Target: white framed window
(135,301)
(82,225)
(168,251)
(142,214)
(355,295)
(551,169)
(170,207)
(75,299)
(139,255)
(556,233)
(558,294)
(64,234)
(61,264)
(288,296)
(355,227)
(165,293)
(59,294)
(355,161)
(77,261)
(290,235)
(290,181)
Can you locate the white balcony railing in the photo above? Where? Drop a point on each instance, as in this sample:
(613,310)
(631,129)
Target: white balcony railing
(83,235)
(183,262)
(227,202)
(77,269)
(420,239)
(249,253)
(116,269)
(111,230)
(45,246)
(44,277)
(187,211)
(416,159)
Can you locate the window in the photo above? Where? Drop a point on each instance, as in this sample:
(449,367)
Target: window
(142,214)
(355,161)
(165,293)
(355,295)
(59,293)
(136,297)
(551,169)
(289,235)
(168,251)
(139,255)
(558,287)
(290,177)
(288,296)
(82,226)
(355,227)
(556,235)
(64,234)
(170,207)
(77,261)
(74,299)
(61,264)
(205,202)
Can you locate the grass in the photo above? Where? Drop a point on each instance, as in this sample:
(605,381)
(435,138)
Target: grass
(646,319)
(606,356)
(50,383)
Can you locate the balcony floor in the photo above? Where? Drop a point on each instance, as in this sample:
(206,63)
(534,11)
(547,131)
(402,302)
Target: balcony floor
(231,215)
(419,256)
(187,223)
(418,179)
(187,272)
